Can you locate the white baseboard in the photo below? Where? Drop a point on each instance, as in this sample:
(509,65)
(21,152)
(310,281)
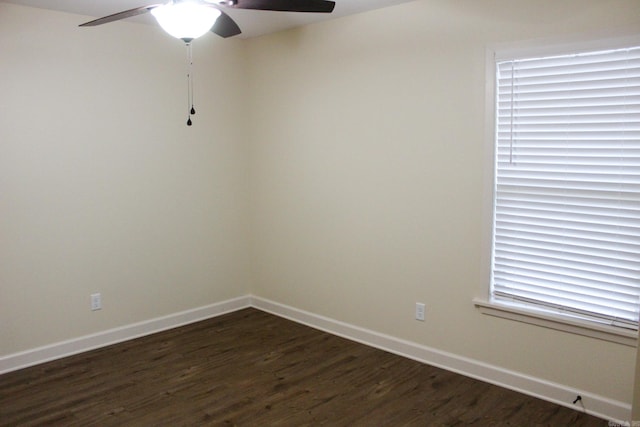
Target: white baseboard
(54,351)
(560,394)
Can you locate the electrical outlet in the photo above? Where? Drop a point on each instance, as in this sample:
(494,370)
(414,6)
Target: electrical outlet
(96,302)
(420,311)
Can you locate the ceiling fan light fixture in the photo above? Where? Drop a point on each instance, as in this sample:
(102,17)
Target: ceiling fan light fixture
(186,20)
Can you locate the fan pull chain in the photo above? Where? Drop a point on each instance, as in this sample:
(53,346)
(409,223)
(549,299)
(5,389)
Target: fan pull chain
(190,108)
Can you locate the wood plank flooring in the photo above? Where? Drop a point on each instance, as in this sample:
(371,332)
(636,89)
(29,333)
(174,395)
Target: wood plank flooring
(250,368)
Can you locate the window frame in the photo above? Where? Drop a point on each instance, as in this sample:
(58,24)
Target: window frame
(547,318)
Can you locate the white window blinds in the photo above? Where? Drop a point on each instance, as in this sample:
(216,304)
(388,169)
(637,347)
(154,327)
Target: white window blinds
(567,188)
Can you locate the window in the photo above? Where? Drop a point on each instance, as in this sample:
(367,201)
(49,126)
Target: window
(566,211)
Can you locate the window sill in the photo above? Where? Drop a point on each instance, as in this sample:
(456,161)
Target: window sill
(558,322)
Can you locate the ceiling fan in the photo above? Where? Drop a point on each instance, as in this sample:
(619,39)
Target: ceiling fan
(189,19)
(221,23)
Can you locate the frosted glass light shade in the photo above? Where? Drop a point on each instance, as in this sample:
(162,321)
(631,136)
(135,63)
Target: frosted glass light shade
(185,20)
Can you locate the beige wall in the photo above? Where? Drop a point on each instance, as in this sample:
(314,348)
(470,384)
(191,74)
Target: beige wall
(345,158)
(368,161)
(103,188)
(636,393)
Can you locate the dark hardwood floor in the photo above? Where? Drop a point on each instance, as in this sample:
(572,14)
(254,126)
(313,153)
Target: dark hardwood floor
(250,368)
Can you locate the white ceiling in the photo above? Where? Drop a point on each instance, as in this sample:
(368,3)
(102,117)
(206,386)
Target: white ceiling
(252,22)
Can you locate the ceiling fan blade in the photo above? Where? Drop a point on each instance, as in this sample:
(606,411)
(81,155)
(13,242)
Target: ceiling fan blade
(120,15)
(225,26)
(317,6)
